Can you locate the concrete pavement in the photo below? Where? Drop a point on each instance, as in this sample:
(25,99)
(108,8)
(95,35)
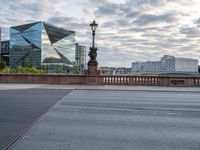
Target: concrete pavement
(118,120)
(14,86)
(19,109)
(98,87)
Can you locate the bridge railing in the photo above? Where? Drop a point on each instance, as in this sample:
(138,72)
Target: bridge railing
(123,80)
(131,80)
(150,80)
(196,81)
(102,79)
(144,80)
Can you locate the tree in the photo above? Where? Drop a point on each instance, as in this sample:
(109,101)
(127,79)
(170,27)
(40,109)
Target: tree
(2,64)
(26,63)
(58,69)
(44,68)
(78,71)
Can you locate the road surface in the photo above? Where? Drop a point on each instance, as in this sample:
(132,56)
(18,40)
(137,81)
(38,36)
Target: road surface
(118,120)
(20,108)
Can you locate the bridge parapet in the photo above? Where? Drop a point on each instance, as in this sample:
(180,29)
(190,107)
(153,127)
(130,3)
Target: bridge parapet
(102,79)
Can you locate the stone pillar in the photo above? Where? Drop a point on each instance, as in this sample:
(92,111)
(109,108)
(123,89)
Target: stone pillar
(93,69)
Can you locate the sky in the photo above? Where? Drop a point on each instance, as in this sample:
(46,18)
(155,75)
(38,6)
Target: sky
(128,30)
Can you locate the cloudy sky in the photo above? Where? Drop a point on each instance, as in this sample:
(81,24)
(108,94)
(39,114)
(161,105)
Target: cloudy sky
(129,30)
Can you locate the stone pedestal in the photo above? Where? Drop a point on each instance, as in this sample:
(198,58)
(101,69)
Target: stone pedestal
(93,68)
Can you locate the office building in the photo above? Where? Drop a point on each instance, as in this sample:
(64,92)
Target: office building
(152,66)
(80,58)
(167,64)
(40,43)
(115,70)
(137,67)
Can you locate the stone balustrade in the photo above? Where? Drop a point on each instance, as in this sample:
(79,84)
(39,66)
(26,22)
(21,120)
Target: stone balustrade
(156,80)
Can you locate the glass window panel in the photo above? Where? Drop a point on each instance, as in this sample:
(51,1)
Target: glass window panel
(35,27)
(48,52)
(33,37)
(66,47)
(24,27)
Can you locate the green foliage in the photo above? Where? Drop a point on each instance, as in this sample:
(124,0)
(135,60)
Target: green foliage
(23,70)
(27,70)
(58,69)
(2,64)
(26,63)
(66,69)
(78,71)
(5,70)
(45,68)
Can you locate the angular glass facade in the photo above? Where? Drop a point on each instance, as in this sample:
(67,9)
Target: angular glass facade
(41,44)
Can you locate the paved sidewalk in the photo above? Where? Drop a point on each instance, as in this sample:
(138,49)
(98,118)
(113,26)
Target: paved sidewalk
(97,87)
(19,109)
(14,86)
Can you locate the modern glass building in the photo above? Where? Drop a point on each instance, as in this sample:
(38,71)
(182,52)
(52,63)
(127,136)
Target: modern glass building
(41,44)
(5,51)
(80,58)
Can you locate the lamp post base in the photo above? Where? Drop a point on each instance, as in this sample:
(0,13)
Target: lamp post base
(93,68)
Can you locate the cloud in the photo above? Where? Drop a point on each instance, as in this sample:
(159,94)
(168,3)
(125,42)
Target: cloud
(132,14)
(106,11)
(152,19)
(129,30)
(197,22)
(153,3)
(158,2)
(190,32)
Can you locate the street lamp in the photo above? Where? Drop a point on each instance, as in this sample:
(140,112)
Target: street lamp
(93,49)
(92,63)
(93,26)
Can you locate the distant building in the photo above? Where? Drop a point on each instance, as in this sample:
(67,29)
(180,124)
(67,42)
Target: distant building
(152,66)
(41,44)
(166,64)
(5,50)
(115,70)
(137,66)
(80,58)
(186,65)
(0,45)
(149,66)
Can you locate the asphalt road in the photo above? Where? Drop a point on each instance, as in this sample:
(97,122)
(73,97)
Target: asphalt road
(20,108)
(118,120)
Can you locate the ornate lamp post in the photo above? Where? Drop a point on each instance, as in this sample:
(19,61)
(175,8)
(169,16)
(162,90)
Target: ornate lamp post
(92,63)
